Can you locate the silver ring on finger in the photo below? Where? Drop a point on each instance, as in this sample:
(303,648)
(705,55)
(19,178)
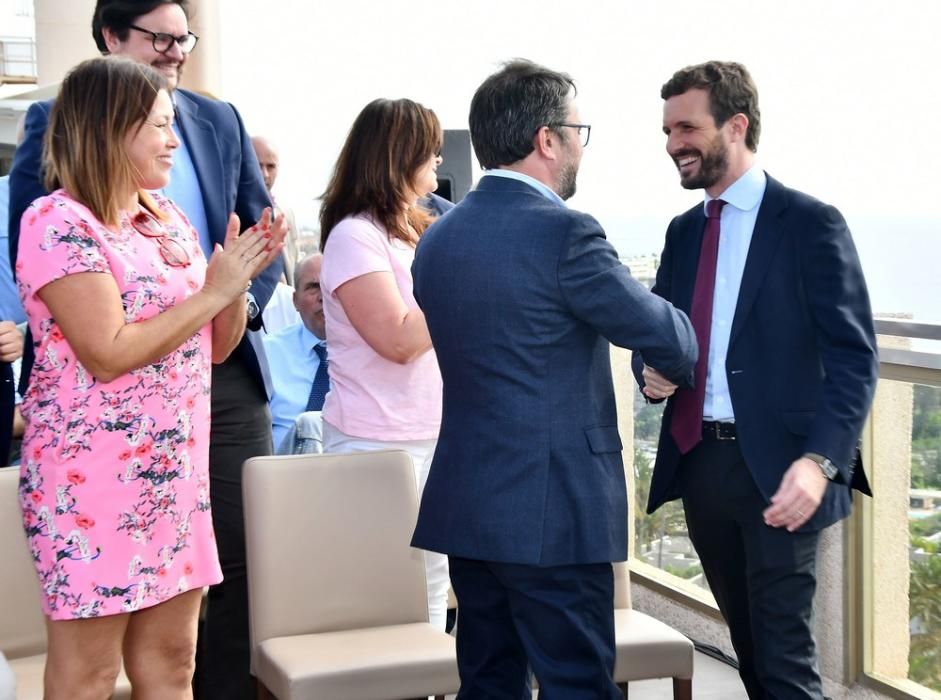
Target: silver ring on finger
(800,514)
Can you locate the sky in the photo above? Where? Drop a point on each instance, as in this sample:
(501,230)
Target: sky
(850,103)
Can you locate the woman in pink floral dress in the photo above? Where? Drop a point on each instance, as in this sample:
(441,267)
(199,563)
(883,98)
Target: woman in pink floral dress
(127,318)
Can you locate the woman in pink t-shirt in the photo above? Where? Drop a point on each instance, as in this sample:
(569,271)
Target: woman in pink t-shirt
(385,387)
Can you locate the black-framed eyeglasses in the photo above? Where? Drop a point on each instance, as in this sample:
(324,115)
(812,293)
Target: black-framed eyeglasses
(163,42)
(584,130)
(172,252)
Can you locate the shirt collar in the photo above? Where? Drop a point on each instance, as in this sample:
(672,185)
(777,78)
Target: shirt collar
(308,339)
(531,181)
(745,193)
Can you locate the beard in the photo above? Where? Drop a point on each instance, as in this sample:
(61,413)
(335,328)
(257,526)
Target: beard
(567,177)
(713,164)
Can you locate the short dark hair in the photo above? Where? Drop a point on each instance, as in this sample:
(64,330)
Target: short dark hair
(511,106)
(119,15)
(731,91)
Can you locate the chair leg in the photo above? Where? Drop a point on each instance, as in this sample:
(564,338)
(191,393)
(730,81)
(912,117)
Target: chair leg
(623,688)
(263,692)
(682,689)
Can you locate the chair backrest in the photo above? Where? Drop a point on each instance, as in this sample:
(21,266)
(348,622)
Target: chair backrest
(327,540)
(22,625)
(622,585)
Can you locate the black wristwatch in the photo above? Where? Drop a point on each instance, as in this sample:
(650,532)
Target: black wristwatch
(826,466)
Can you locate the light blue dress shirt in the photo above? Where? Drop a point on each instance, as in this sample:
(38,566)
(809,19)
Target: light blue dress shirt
(293,365)
(531,181)
(743,199)
(186,193)
(11,309)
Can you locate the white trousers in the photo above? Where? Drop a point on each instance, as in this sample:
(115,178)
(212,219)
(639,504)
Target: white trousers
(421,452)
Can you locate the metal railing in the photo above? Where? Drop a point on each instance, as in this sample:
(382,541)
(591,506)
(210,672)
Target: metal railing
(905,364)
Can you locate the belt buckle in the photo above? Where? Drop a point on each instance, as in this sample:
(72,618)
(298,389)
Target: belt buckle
(720,436)
(714,429)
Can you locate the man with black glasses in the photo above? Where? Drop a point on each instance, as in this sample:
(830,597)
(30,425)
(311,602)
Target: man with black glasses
(215,172)
(526,494)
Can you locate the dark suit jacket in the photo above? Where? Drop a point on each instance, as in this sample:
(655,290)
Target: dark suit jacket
(802,363)
(437,205)
(521,296)
(226,166)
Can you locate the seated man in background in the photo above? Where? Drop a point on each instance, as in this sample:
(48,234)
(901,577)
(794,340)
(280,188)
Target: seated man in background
(297,356)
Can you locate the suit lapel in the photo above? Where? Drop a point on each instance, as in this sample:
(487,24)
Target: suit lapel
(766,237)
(206,154)
(688,263)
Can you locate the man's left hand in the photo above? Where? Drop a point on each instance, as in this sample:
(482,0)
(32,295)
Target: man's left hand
(11,341)
(798,496)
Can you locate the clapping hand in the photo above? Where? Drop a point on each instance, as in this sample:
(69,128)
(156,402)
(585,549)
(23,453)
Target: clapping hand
(243,257)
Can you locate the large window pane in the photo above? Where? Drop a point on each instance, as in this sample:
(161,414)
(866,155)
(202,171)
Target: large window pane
(904,605)
(660,539)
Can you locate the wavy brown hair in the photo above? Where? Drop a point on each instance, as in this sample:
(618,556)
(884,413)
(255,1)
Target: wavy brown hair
(375,173)
(101,101)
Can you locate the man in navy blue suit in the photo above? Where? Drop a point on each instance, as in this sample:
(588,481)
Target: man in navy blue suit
(215,172)
(763,448)
(526,494)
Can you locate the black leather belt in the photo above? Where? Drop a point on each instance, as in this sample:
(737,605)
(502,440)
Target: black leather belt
(714,430)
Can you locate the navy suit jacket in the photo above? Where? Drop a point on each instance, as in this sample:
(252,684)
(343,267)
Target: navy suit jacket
(802,363)
(522,296)
(228,173)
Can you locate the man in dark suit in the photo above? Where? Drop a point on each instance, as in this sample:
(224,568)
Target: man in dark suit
(215,172)
(763,448)
(526,493)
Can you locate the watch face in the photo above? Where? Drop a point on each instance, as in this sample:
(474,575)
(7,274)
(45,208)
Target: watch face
(829,469)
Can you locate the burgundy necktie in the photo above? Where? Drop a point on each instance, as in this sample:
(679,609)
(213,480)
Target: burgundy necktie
(686,425)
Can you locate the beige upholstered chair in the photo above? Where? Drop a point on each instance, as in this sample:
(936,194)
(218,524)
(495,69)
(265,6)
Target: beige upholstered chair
(22,625)
(647,648)
(337,597)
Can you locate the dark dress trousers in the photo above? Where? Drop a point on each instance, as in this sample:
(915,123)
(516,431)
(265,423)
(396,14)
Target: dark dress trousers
(526,493)
(802,368)
(230,181)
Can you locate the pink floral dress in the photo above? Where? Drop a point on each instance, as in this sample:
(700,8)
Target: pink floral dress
(114,482)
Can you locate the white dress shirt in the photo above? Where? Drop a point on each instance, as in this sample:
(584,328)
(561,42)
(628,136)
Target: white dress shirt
(743,199)
(293,365)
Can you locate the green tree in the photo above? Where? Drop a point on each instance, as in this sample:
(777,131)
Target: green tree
(668,519)
(924,659)
(925,527)
(926,437)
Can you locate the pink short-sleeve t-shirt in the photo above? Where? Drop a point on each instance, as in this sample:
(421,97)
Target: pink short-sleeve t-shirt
(371,397)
